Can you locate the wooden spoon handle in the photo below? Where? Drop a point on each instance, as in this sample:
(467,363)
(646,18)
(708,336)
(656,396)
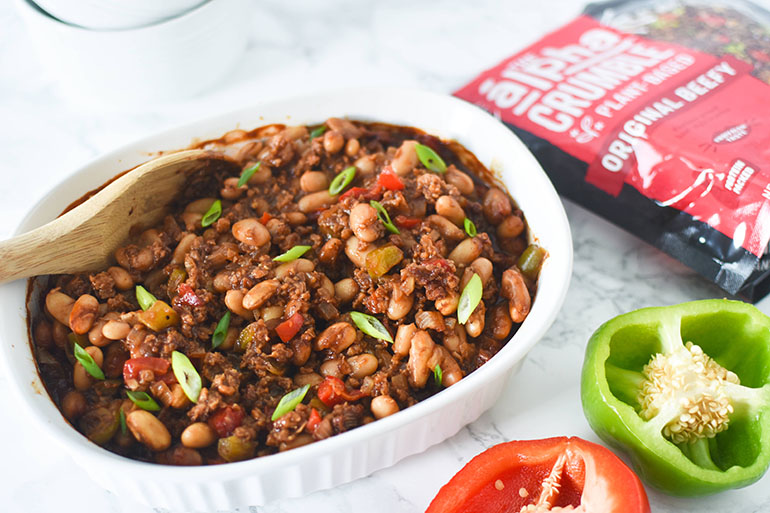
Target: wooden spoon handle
(85,238)
(50,249)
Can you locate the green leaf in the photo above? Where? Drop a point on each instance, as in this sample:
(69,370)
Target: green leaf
(289,401)
(221,330)
(186,375)
(469,299)
(438,375)
(430,159)
(248,173)
(470,228)
(143,400)
(144,298)
(293,254)
(384,217)
(122,418)
(87,362)
(371,326)
(317,132)
(212,214)
(342,180)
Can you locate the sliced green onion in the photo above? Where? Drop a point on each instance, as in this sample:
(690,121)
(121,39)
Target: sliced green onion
(87,361)
(430,159)
(289,401)
(219,333)
(470,228)
(438,375)
(317,132)
(248,173)
(293,254)
(144,298)
(384,217)
(371,326)
(122,418)
(469,299)
(342,180)
(186,375)
(143,400)
(212,214)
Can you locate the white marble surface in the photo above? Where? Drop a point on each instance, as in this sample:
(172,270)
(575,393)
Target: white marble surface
(302,46)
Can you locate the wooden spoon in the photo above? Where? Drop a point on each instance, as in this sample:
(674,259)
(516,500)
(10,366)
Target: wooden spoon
(85,238)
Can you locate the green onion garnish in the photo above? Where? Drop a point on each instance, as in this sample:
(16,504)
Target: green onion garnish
(219,333)
(317,132)
(470,228)
(469,299)
(438,375)
(371,326)
(430,159)
(143,400)
(342,180)
(186,375)
(289,401)
(144,298)
(384,217)
(87,361)
(248,173)
(122,418)
(212,214)
(293,254)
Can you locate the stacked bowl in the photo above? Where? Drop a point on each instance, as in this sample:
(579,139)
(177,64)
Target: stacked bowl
(129,53)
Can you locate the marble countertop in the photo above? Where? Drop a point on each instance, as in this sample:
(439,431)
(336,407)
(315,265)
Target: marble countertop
(297,47)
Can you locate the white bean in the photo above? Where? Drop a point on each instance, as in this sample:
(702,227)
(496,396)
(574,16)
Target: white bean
(315,201)
(383,406)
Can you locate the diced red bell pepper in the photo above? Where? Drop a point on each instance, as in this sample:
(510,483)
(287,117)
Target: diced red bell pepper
(407,222)
(373,193)
(443,262)
(354,191)
(265,218)
(333,391)
(226,419)
(390,180)
(313,421)
(188,296)
(555,472)
(290,327)
(134,366)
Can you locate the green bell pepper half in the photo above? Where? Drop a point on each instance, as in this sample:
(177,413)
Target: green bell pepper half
(617,393)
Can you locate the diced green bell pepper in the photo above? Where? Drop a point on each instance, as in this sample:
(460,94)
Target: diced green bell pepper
(685,390)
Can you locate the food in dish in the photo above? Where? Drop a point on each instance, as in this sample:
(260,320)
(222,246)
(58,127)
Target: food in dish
(338,274)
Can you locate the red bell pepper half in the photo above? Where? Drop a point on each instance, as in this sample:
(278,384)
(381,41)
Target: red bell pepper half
(549,473)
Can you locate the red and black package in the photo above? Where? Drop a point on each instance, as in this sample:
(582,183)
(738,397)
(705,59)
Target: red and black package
(656,115)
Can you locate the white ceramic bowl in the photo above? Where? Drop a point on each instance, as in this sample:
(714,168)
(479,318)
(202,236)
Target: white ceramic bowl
(116,14)
(365,449)
(171,60)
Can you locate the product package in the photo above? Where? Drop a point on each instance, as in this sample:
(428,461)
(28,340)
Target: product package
(656,115)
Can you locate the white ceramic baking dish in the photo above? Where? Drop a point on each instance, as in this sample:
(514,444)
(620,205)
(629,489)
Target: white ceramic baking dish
(363,450)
